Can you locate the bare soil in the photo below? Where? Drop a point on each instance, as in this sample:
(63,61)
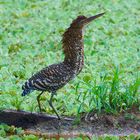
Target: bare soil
(90,124)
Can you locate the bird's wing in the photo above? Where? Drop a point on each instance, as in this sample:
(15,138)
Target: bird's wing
(52,76)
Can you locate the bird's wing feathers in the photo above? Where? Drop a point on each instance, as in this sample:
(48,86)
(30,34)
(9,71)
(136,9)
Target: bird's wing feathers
(50,77)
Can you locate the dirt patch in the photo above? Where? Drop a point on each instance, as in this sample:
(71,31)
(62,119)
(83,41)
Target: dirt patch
(90,124)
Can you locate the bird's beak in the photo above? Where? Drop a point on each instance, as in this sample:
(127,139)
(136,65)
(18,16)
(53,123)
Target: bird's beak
(86,21)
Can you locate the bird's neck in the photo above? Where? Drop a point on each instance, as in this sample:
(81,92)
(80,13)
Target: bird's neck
(73,47)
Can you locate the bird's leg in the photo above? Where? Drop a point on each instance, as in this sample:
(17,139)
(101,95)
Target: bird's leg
(51,105)
(38,100)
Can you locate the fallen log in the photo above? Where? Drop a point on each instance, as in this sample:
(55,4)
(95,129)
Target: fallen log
(25,119)
(49,126)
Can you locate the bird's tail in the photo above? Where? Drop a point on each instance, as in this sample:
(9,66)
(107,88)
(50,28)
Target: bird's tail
(25,90)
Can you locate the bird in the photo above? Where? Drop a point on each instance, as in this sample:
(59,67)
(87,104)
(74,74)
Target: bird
(55,76)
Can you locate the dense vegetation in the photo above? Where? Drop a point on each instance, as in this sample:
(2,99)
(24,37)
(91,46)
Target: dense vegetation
(30,39)
(14,133)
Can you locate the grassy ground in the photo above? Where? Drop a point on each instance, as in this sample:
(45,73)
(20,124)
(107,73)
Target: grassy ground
(13,133)
(30,39)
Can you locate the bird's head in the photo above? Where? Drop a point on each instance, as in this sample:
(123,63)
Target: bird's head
(81,21)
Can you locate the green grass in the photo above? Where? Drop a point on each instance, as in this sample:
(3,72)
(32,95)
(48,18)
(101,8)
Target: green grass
(12,133)
(30,39)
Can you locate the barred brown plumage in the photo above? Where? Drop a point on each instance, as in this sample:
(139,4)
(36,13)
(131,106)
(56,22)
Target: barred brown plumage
(56,76)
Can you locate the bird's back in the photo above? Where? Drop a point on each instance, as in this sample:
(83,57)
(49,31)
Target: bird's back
(49,79)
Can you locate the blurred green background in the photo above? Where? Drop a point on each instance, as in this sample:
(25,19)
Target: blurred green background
(30,39)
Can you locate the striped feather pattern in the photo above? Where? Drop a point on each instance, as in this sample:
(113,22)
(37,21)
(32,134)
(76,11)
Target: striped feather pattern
(49,79)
